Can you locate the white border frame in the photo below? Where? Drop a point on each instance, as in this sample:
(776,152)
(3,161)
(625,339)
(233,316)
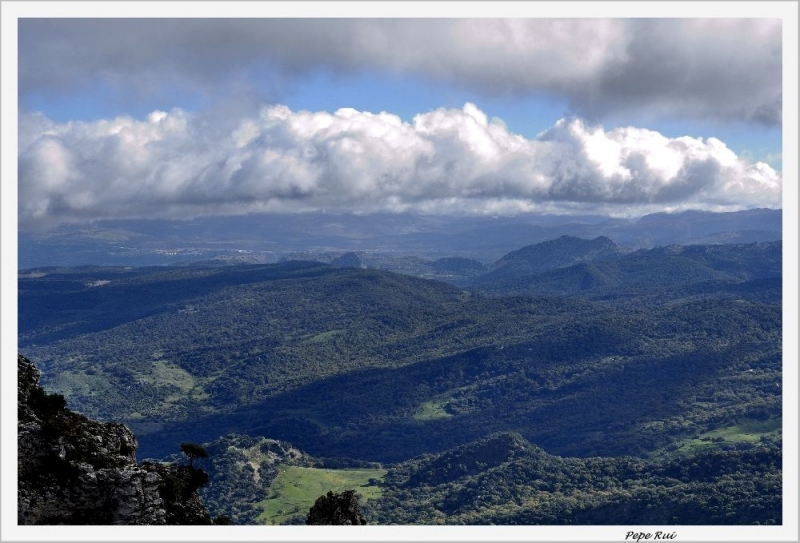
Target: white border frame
(11,11)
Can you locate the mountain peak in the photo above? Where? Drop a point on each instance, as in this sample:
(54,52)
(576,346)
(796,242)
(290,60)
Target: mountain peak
(349,260)
(555,253)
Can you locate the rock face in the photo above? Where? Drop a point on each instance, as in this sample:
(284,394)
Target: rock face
(73,470)
(336,508)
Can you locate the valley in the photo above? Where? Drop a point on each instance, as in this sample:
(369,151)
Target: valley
(592,353)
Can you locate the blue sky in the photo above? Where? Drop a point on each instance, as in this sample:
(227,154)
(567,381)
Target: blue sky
(405,96)
(205,116)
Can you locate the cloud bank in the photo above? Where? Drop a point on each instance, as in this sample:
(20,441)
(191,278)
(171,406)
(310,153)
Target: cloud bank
(174,164)
(720,69)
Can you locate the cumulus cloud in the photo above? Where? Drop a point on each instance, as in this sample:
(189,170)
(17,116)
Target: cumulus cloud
(723,69)
(447,160)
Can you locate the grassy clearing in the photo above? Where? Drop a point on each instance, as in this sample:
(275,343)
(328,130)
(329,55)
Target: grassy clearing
(295,489)
(432,410)
(164,372)
(747,430)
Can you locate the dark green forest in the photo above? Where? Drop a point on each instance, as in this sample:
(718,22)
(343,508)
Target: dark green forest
(597,385)
(503,479)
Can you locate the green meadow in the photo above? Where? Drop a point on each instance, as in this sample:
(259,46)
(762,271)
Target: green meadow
(747,430)
(295,489)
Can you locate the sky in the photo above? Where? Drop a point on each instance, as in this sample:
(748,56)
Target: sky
(180,118)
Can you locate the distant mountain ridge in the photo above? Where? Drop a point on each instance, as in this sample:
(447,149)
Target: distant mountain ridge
(269,238)
(611,269)
(547,255)
(349,260)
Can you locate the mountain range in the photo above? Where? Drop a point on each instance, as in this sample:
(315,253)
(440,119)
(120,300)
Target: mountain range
(379,239)
(578,349)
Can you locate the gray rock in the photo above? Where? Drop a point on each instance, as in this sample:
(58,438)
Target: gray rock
(73,470)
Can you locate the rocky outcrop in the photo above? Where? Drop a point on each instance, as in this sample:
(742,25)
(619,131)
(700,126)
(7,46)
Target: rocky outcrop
(73,470)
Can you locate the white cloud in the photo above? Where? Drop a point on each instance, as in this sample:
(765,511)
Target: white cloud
(169,165)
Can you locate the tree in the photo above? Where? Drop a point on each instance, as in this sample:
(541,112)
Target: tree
(336,508)
(192,451)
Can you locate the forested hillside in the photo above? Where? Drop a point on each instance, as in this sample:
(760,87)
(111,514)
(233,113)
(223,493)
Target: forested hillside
(503,479)
(670,352)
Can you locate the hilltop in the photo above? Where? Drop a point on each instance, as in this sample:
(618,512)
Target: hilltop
(547,255)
